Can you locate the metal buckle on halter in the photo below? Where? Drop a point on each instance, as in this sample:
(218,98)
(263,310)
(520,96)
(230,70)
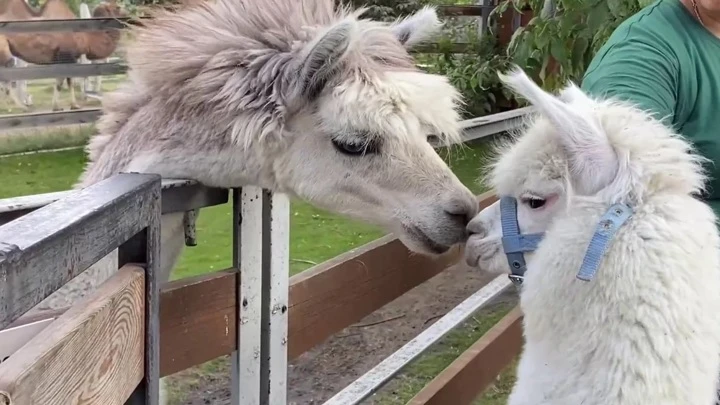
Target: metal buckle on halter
(516,279)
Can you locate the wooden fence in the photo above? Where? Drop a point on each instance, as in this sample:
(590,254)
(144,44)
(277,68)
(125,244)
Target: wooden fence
(204,317)
(507,23)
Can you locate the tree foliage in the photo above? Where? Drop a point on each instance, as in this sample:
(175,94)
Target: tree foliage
(473,73)
(568,31)
(385,10)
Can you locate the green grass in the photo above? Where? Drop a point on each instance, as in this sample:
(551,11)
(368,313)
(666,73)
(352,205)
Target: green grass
(36,139)
(43,138)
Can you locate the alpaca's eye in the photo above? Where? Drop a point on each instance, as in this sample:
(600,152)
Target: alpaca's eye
(355,148)
(433,139)
(535,203)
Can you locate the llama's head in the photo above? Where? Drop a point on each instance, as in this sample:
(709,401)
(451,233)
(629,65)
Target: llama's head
(577,149)
(365,128)
(305,99)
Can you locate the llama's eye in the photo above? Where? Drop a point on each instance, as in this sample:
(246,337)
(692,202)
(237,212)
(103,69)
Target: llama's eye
(355,148)
(535,202)
(433,139)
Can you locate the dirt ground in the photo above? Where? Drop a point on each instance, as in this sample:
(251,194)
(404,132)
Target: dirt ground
(318,374)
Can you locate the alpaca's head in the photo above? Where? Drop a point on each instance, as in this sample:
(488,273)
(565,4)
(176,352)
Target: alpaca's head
(578,148)
(303,98)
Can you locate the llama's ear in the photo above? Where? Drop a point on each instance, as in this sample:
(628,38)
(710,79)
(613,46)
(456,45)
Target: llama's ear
(571,94)
(419,27)
(593,162)
(322,57)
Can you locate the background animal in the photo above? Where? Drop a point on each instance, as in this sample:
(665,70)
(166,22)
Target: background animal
(15,10)
(646,328)
(65,46)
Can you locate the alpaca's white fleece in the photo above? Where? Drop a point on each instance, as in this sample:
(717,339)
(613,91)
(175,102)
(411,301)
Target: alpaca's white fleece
(646,329)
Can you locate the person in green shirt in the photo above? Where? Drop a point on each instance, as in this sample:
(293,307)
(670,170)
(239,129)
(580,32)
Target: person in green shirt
(666,59)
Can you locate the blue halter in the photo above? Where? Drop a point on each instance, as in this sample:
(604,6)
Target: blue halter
(516,244)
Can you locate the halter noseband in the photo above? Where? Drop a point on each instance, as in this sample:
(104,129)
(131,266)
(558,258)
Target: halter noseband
(516,244)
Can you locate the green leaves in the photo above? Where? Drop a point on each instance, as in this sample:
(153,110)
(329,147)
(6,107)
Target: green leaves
(570,37)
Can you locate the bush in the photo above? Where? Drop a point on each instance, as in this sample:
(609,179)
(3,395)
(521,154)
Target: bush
(473,73)
(570,34)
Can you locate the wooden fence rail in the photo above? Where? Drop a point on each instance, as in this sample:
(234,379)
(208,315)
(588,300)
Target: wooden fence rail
(198,314)
(43,250)
(59,71)
(96,24)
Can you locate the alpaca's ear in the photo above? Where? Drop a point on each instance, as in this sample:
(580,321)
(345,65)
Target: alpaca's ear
(419,27)
(593,162)
(322,57)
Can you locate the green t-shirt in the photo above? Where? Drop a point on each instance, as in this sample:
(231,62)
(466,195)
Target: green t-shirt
(665,61)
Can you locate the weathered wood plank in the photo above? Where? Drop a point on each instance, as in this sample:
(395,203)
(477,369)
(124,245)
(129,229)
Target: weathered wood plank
(61,70)
(197,320)
(198,314)
(507,121)
(74,25)
(45,249)
(177,196)
(96,24)
(37,316)
(477,367)
(46,119)
(342,291)
(92,354)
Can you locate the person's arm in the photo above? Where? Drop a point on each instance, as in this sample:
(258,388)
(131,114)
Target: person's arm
(642,73)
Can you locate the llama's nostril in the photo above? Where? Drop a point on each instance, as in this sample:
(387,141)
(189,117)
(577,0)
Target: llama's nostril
(461,211)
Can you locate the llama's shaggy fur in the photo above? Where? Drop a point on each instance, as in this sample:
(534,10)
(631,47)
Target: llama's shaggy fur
(646,329)
(293,96)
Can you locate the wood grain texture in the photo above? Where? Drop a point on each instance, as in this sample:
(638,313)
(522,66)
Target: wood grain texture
(177,196)
(46,248)
(342,291)
(198,314)
(477,367)
(92,354)
(197,320)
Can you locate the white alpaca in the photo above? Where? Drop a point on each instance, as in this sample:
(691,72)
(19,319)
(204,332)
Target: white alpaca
(633,316)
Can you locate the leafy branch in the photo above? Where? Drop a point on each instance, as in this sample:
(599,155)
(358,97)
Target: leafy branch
(560,40)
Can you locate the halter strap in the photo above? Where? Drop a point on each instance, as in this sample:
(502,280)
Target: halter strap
(606,229)
(516,244)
